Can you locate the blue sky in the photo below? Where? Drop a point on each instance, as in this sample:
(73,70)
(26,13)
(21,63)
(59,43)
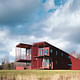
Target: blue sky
(28,21)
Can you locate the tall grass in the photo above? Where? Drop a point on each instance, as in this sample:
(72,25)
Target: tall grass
(40,75)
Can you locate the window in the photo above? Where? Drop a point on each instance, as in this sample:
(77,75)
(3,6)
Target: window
(20,53)
(45,62)
(69,64)
(62,54)
(23,50)
(68,57)
(46,52)
(28,51)
(56,53)
(51,51)
(29,54)
(41,51)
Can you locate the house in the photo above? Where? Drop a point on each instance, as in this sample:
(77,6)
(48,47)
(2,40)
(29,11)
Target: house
(42,55)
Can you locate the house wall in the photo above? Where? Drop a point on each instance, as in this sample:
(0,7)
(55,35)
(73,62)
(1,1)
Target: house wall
(34,51)
(75,63)
(19,68)
(60,61)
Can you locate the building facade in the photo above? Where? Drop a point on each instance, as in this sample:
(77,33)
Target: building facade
(43,55)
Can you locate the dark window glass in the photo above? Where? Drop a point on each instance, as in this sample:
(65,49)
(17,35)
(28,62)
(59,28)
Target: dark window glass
(46,52)
(41,51)
(69,64)
(51,51)
(56,53)
(68,57)
(62,54)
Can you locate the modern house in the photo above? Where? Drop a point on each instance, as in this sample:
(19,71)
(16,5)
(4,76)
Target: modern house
(43,55)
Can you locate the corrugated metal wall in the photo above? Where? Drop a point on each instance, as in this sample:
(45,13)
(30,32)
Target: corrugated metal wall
(75,63)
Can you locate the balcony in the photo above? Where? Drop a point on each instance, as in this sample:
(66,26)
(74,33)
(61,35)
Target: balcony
(22,55)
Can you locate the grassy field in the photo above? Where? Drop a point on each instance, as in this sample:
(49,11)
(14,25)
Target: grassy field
(40,75)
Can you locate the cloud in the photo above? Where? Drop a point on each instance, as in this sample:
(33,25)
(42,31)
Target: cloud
(64,25)
(49,4)
(61,28)
(17,11)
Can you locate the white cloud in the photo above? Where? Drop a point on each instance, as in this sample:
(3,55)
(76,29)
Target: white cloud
(12,53)
(63,25)
(57,28)
(62,18)
(49,5)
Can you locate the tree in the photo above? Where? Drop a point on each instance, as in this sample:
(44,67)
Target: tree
(8,66)
(75,54)
(78,56)
(5,60)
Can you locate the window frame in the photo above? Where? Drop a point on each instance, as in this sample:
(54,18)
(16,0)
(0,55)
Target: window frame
(43,52)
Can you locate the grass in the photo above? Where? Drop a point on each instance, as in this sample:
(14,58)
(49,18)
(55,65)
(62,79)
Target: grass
(40,74)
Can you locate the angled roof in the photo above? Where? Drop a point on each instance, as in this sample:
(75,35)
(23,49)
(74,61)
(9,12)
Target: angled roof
(41,44)
(22,45)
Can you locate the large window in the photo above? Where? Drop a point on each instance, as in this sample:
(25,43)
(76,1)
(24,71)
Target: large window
(45,63)
(29,54)
(20,53)
(43,51)
(23,50)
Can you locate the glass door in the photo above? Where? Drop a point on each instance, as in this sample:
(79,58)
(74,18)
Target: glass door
(45,63)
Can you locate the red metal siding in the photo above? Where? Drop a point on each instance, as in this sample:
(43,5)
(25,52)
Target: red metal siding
(34,52)
(19,68)
(75,63)
(39,63)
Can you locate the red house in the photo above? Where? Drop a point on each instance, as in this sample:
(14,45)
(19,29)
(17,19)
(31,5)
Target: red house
(43,55)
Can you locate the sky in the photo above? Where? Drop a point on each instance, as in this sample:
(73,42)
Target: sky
(27,21)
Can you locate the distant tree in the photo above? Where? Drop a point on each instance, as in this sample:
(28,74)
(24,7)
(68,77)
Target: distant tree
(73,53)
(78,56)
(8,66)
(0,67)
(5,60)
